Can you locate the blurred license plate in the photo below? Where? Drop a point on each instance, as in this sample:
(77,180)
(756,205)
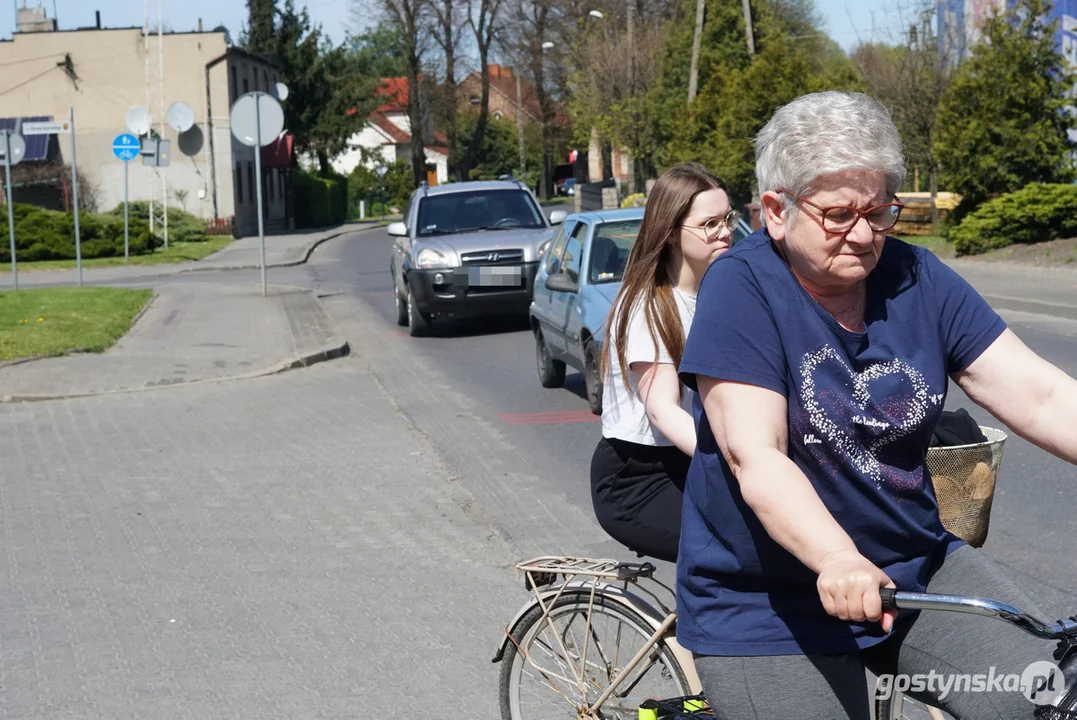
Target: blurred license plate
(495,276)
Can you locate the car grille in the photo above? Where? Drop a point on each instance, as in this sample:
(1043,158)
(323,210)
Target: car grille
(493,257)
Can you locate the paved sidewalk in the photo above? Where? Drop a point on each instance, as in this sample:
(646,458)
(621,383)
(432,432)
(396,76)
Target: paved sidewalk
(281,251)
(191,332)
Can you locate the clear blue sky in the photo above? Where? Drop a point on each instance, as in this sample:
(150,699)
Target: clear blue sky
(846,20)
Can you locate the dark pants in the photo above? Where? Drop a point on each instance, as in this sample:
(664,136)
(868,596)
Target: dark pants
(954,644)
(637,492)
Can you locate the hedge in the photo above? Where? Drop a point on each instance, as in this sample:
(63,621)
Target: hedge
(319,200)
(182,225)
(1037,212)
(42,234)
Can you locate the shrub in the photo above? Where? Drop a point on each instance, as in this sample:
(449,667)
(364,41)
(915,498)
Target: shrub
(635,200)
(50,235)
(1037,212)
(320,201)
(182,225)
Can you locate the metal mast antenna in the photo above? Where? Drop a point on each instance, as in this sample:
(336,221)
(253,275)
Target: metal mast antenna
(146,47)
(161,67)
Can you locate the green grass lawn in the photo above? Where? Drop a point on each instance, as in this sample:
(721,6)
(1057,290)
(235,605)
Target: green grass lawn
(934,243)
(177,252)
(54,321)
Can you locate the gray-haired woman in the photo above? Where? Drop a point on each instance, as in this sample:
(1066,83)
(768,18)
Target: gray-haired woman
(821,350)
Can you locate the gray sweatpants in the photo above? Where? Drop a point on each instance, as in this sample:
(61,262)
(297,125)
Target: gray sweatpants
(834,687)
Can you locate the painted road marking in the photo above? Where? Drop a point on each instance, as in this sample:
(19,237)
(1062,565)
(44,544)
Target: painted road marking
(549,418)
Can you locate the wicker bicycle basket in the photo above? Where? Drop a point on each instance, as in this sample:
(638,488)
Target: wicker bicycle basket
(964,478)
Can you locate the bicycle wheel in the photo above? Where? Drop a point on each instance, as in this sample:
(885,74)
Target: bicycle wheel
(562,650)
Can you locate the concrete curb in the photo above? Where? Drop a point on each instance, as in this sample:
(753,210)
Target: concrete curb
(335,348)
(292,263)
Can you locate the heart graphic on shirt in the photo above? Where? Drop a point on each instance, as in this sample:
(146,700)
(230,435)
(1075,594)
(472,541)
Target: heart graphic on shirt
(887,421)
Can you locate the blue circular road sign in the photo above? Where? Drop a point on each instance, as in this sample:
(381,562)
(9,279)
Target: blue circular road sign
(126,147)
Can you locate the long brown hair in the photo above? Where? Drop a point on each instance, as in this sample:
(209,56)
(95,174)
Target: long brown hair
(646,276)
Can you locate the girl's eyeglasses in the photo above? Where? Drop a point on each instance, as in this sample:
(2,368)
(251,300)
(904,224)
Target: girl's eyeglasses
(713,227)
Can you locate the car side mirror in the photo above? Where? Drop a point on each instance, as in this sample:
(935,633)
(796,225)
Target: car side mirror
(397,229)
(557,217)
(561,283)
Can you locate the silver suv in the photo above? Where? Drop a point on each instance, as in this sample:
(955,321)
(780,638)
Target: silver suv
(467,250)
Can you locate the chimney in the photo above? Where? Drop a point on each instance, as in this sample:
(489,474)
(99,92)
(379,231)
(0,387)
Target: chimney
(98,13)
(199,24)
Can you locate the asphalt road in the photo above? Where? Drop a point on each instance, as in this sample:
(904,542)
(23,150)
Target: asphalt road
(489,368)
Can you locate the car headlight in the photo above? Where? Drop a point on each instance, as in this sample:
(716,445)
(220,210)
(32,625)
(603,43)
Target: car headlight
(543,248)
(430,259)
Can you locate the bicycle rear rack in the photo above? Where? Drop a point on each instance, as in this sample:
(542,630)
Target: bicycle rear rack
(551,565)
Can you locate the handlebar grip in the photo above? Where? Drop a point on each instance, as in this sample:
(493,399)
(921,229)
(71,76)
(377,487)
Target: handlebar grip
(887,596)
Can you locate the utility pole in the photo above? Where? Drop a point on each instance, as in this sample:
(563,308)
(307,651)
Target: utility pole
(520,126)
(632,92)
(697,38)
(748,26)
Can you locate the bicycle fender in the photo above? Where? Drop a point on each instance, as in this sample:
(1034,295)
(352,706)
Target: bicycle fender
(652,615)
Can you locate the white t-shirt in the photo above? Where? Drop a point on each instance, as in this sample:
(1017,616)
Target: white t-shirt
(624,415)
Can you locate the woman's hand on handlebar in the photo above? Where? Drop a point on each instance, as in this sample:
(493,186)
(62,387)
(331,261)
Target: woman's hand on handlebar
(849,588)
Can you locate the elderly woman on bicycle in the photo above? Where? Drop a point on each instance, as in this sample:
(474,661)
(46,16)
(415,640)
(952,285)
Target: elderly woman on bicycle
(821,351)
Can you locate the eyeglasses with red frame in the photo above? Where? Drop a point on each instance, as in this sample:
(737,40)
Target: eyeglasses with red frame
(840,219)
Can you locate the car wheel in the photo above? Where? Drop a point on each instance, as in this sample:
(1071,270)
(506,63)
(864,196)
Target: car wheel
(551,372)
(401,309)
(418,321)
(592,379)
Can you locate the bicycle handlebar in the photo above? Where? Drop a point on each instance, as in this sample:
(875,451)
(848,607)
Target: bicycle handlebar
(902,600)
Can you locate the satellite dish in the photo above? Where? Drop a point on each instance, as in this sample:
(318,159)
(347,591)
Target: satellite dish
(138,120)
(181,116)
(280,91)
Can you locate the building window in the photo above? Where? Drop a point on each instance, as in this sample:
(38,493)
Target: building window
(234,90)
(239,184)
(246,84)
(250,182)
(498,115)
(271,185)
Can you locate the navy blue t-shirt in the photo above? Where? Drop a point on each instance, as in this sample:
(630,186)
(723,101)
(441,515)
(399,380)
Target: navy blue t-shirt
(862,407)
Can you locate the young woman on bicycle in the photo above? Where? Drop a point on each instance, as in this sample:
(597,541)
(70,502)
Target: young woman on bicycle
(648,436)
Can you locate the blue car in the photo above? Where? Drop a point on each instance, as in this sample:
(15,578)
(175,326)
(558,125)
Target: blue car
(579,276)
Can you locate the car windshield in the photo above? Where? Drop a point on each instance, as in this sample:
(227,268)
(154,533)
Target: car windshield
(477,210)
(609,250)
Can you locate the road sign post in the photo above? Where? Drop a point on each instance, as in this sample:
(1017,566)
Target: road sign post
(126,148)
(257,120)
(60,128)
(14,148)
(75,193)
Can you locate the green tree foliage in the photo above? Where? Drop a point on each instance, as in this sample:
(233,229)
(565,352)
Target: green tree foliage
(257,35)
(328,98)
(499,153)
(738,92)
(1003,123)
(378,52)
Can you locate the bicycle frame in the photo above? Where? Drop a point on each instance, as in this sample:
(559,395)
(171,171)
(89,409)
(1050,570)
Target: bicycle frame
(596,576)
